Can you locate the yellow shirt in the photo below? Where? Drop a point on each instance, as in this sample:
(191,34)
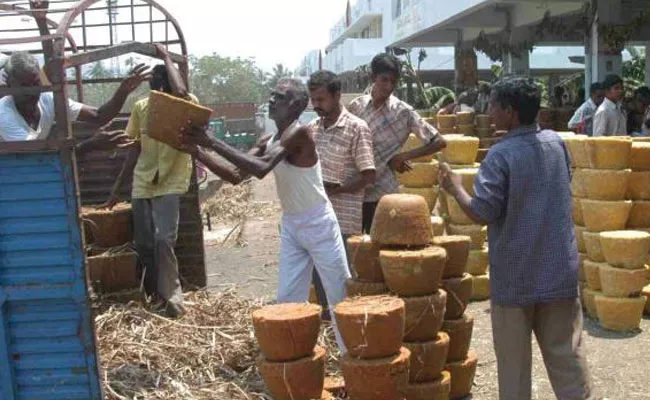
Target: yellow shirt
(161,169)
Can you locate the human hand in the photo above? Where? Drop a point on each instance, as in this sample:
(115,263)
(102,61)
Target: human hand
(194,135)
(332,189)
(39,9)
(110,203)
(400,164)
(140,73)
(109,140)
(450,181)
(161,50)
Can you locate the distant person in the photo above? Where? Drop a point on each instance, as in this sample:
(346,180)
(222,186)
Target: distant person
(344,145)
(637,113)
(522,192)
(391,121)
(580,98)
(447,106)
(583,119)
(310,233)
(483,99)
(610,118)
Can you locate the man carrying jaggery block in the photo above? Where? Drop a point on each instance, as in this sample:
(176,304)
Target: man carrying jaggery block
(391,121)
(310,234)
(522,192)
(344,146)
(161,175)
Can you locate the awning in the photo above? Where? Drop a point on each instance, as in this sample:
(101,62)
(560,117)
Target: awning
(489,16)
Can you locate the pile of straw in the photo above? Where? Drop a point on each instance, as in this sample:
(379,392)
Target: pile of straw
(210,353)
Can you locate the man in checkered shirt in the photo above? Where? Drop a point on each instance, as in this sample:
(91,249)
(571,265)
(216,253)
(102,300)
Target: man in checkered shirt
(522,192)
(391,121)
(344,146)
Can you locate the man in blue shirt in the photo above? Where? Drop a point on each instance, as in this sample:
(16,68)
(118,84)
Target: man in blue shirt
(522,192)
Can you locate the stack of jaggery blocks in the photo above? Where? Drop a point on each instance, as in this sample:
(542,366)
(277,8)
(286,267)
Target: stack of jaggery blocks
(611,212)
(460,153)
(111,260)
(412,264)
(422,179)
(291,364)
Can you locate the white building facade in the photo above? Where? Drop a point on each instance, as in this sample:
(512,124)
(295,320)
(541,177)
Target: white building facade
(369,26)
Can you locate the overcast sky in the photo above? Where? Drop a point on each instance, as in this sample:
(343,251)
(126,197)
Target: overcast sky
(272,31)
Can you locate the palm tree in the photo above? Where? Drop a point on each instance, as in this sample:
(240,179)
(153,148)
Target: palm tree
(279,72)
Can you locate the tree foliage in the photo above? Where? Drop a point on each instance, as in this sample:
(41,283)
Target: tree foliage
(216,79)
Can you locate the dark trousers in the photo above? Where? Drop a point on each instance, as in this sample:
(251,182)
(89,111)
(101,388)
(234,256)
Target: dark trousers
(368,215)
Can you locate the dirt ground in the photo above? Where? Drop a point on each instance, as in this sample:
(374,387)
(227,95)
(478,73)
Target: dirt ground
(619,363)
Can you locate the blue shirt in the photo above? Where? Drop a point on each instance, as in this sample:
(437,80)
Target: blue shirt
(522,191)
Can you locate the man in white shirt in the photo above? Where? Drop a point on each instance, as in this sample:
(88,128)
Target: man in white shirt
(583,119)
(610,119)
(31,116)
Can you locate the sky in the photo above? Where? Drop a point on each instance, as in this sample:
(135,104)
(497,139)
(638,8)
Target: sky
(272,31)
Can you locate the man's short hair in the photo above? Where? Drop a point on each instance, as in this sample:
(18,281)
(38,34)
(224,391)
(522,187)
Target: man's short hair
(520,93)
(596,86)
(21,63)
(384,63)
(612,80)
(327,79)
(298,92)
(643,92)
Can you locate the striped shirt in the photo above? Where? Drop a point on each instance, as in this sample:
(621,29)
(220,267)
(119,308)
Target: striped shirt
(345,150)
(523,191)
(390,125)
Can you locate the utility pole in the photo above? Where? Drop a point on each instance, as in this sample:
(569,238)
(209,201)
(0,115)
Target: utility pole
(112,12)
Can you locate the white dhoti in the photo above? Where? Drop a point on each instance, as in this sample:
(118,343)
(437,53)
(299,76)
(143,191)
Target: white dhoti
(308,240)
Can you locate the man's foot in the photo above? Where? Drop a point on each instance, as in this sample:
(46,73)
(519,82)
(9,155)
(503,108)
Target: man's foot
(174,310)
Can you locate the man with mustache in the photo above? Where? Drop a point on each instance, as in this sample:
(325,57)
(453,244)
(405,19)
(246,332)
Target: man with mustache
(344,145)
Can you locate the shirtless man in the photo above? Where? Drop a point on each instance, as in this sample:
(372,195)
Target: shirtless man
(310,231)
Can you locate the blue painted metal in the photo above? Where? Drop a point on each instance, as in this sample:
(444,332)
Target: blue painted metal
(47,341)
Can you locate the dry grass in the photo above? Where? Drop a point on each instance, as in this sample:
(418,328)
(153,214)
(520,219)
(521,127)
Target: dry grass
(209,353)
(235,204)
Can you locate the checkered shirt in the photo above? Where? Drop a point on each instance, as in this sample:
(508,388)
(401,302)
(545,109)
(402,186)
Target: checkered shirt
(345,150)
(391,124)
(523,191)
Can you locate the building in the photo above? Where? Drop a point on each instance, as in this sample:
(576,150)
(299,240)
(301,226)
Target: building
(446,29)
(311,63)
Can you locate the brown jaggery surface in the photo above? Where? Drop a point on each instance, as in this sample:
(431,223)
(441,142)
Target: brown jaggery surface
(168,114)
(460,336)
(437,389)
(459,292)
(402,220)
(371,327)
(385,379)
(424,316)
(364,258)
(356,288)
(108,228)
(413,272)
(477,262)
(457,247)
(287,332)
(428,359)
(301,379)
(462,375)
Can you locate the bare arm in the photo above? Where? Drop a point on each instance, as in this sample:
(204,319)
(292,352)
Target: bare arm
(105,113)
(39,12)
(174,75)
(256,165)
(127,169)
(367,179)
(221,167)
(438,143)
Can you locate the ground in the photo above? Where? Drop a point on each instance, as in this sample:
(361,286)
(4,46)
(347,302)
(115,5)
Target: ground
(619,363)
